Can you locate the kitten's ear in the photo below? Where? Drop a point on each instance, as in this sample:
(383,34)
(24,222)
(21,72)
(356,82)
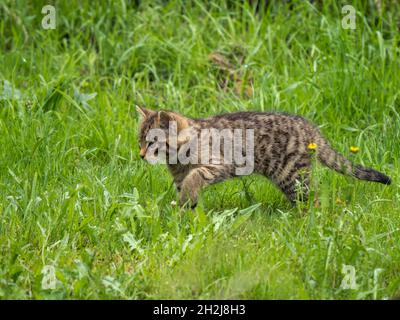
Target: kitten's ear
(164,117)
(143,111)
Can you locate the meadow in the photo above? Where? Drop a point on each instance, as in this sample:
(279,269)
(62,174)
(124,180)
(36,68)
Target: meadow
(83,217)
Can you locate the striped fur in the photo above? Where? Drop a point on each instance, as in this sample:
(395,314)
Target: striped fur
(281,152)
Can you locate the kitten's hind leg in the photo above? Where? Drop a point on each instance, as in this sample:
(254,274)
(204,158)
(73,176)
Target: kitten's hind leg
(296,187)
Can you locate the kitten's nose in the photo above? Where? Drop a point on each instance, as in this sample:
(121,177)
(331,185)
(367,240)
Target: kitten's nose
(142,153)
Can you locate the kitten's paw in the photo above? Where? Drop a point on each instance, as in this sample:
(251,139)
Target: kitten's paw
(188,205)
(174,203)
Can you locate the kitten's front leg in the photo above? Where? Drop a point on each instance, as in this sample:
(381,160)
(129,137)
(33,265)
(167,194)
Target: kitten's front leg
(178,173)
(178,180)
(195,181)
(178,185)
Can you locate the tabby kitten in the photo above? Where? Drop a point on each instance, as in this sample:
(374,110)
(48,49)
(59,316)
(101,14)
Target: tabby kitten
(282,144)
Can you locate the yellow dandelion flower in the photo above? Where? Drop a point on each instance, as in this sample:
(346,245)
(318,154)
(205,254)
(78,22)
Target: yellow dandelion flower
(312,146)
(354,149)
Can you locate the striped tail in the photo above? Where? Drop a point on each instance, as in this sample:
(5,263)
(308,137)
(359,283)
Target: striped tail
(334,160)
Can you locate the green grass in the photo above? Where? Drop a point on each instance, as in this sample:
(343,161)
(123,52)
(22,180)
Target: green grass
(74,194)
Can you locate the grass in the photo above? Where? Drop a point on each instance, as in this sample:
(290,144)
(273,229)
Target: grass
(75,196)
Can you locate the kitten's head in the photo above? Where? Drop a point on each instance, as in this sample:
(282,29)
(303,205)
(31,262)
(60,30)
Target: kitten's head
(154,133)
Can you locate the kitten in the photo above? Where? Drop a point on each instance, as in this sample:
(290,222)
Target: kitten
(282,150)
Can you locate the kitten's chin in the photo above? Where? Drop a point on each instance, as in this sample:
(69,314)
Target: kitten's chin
(155,160)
